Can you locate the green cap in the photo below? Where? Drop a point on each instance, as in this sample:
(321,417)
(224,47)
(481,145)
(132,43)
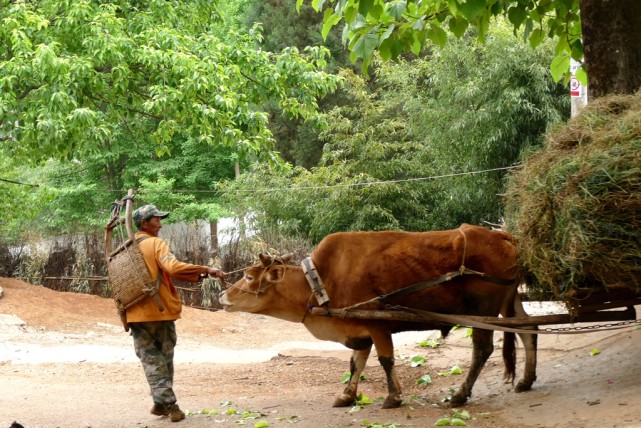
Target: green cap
(146,212)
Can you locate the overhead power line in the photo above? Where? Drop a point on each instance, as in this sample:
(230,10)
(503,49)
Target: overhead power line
(19,183)
(375,183)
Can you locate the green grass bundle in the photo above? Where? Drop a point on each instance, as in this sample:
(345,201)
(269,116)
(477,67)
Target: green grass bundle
(575,206)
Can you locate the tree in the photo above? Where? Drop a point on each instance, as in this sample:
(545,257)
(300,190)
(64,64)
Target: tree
(140,92)
(606,35)
(81,77)
(426,150)
(296,141)
(182,182)
(611,36)
(22,199)
(285,27)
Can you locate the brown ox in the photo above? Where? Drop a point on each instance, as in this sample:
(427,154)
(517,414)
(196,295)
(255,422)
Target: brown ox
(356,267)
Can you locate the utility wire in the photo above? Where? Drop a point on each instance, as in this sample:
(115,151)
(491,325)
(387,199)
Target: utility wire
(374,183)
(19,183)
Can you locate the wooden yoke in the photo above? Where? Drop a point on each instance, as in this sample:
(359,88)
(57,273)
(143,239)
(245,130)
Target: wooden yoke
(116,221)
(129,201)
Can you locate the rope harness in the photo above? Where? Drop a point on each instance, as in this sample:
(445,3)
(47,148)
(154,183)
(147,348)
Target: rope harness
(260,289)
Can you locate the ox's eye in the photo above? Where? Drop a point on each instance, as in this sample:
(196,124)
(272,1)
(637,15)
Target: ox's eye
(248,277)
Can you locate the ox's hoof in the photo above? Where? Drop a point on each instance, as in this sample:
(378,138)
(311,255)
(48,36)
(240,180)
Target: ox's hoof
(392,403)
(522,387)
(343,401)
(457,401)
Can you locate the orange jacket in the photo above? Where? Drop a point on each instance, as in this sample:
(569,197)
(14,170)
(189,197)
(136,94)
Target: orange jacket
(160,260)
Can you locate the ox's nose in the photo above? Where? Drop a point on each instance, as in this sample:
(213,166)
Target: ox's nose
(222,298)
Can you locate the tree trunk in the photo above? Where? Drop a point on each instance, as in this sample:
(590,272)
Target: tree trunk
(612,40)
(213,238)
(241,216)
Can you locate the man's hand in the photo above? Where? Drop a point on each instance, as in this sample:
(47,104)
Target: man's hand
(216,273)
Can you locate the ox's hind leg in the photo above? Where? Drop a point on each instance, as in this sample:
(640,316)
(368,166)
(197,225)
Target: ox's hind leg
(483,348)
(529,375)
(530,345)
(356,366)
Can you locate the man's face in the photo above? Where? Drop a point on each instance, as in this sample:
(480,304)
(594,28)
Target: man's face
(151,226)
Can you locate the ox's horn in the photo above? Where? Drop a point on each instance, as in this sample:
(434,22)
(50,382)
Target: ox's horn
(265,259)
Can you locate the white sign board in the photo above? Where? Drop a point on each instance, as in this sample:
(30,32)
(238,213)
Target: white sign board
(576,88)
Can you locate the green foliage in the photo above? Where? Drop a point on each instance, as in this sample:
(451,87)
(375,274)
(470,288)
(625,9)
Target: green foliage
(426,379)
(360,402)
(77,78)
(457,420)
(104,96)
(232,13)
(417,361)
(160,192)
(76,197)
(455,370)
(244,416)
(485,105)
(347,376)
(296,141)
(396,27)
(369,424)
(344,192)
(284,27)
(429,343)
(20,203)
(397,157)
(450,422)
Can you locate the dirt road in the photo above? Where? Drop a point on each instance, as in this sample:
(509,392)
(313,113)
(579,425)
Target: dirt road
(66,362)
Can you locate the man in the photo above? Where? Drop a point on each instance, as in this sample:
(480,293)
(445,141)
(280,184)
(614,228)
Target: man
(153,330)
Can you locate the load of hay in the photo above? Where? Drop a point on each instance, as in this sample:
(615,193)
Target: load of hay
(575,206)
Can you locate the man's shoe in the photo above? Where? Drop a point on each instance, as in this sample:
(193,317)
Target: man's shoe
(160,410)
(175,414)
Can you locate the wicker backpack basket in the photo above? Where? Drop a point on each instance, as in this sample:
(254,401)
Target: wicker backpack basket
(129,277)
(126,269)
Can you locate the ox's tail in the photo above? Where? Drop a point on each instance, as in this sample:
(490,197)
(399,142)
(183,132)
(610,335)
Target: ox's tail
(509,346)
(509,356)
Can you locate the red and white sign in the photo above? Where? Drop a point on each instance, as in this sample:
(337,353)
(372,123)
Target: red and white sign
(575,87)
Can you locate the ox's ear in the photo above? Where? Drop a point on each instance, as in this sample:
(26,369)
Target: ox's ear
(287,257)
(265,259)
(276,273)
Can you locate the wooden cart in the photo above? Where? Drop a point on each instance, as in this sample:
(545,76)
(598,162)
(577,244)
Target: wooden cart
(602,306)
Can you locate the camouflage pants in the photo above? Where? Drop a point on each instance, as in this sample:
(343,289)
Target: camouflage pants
(154,343)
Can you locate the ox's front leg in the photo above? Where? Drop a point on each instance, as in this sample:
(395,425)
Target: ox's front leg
(385,350)
(356,366)
(483,348)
